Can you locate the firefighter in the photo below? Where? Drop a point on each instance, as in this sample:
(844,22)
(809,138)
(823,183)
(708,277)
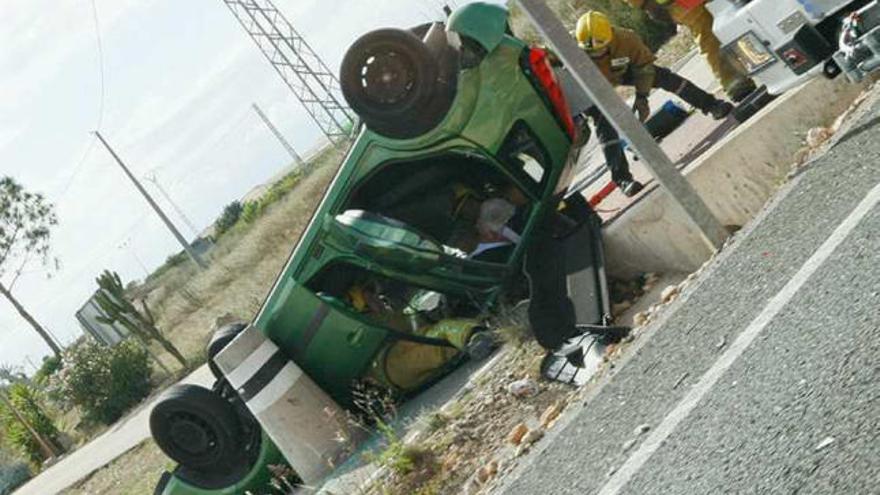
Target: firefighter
(625,60)
(694,15)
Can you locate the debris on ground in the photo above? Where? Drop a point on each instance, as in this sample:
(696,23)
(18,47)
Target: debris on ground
(516,435)
(680,380)
(642,429)
(668,294)
(824,443)
(548,417)
(818,135)
(532,436)
(818,138)
(523,388)
(498,419)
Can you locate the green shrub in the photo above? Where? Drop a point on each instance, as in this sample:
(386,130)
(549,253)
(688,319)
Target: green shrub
(24,398)
(12,476)
(51,365)
(105,382)
(229,217)
(251,211)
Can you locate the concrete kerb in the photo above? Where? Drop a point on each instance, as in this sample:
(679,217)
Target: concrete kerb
(735,177)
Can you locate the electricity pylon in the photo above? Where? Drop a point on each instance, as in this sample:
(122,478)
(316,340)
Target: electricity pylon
(316,87)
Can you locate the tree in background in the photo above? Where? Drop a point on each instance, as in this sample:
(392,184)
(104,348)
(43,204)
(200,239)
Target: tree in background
(26,221)
(229,217)
(26,426)
(111,298)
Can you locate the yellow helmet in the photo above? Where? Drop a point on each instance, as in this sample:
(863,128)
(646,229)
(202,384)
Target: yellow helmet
(594,31)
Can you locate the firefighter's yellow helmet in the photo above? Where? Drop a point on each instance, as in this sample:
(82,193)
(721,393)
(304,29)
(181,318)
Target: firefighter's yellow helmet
(594,31)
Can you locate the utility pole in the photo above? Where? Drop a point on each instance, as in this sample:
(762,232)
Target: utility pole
(152,178)
(296,158)
(183,242)
(621,117)
(315,85)
(32,363)
(129,246)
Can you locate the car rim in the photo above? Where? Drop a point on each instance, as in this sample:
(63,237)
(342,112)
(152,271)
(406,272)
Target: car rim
(191,434)
(387,77)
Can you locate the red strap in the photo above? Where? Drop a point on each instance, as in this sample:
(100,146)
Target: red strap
(689,4)
(603,193)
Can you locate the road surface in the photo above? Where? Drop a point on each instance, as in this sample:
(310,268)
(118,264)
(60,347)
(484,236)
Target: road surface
(763,378)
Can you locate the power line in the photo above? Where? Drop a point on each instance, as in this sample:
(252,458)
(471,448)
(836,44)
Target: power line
(100,120)
(100,45)
(152,178)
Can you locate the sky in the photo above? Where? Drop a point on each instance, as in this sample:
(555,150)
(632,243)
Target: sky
(169,83)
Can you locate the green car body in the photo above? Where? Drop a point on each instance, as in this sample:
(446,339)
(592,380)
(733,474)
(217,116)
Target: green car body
(480,120)
(502,124)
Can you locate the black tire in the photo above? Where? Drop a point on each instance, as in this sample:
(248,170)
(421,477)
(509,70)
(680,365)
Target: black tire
(389,77)
(481,344)
(221,338)
(198,429)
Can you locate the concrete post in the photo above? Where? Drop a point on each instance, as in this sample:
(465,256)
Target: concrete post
(622,118)
(299,417)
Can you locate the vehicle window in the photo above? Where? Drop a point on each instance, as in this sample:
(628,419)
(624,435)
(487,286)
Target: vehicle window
(392,303)
(461,202)
(526,157)
(531,167)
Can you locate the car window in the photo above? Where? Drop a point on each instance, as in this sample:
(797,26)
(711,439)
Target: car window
(532,167)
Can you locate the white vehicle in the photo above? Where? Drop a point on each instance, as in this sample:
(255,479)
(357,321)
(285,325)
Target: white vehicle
(782,43)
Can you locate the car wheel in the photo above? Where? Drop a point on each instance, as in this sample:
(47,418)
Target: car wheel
(389,77)
(198,429)
(481,345)
(221,338)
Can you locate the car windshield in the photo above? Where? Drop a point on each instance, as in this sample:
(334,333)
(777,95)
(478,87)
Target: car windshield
(458,204)
(388,230)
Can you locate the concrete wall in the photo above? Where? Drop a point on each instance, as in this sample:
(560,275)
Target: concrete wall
(735,177)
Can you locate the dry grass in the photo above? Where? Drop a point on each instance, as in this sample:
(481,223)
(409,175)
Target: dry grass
(471,433)
(244,265)
(135,473)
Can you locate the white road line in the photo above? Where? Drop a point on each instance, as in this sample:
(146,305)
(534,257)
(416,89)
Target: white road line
(638,459)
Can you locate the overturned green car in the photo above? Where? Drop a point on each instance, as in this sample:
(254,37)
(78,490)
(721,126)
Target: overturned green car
(463,155)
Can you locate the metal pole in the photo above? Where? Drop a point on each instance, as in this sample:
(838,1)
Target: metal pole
(296,158)
(152,178)
(183,242)
(591,80)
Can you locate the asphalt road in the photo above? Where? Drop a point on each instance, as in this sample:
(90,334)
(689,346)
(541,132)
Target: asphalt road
(761,378)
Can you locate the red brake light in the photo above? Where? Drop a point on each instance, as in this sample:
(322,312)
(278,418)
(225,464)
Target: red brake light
(546,78)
